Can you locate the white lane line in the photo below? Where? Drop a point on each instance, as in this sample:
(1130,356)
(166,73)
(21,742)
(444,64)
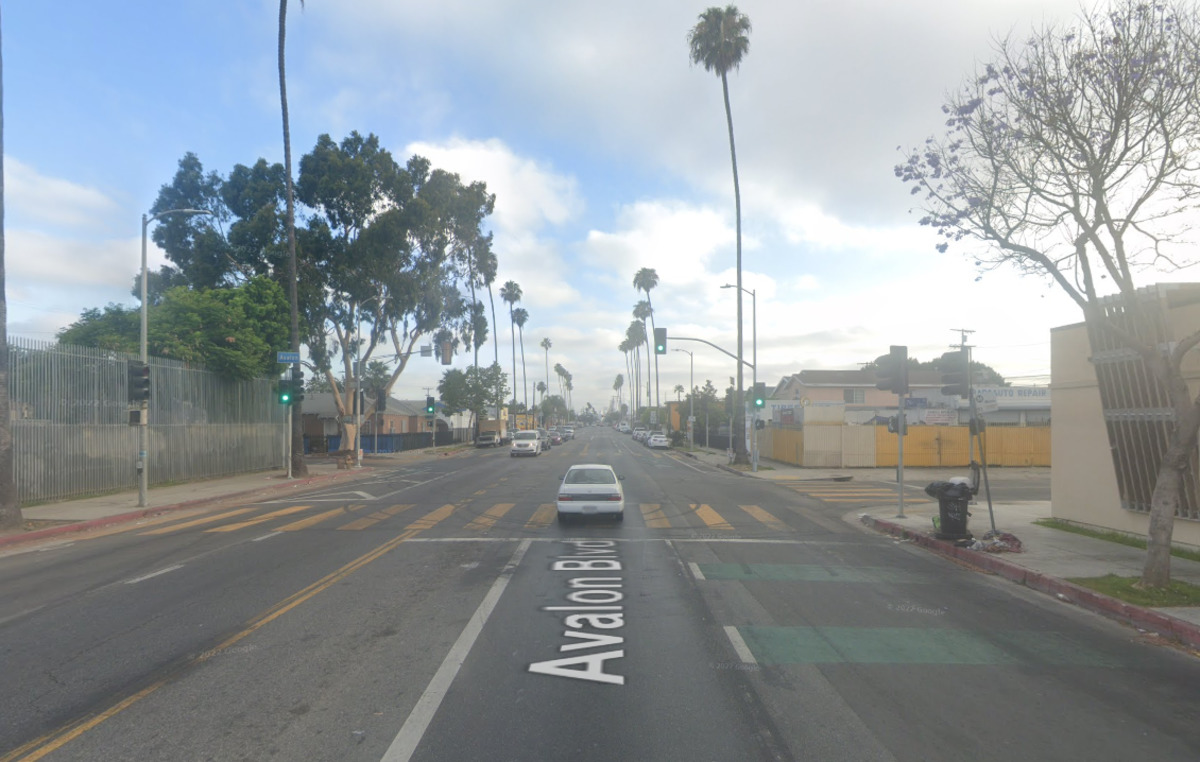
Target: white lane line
(151,575)
(405,743)
(739,646)
(266,536)
(695,567)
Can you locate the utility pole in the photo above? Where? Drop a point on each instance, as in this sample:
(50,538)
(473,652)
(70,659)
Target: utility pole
(965,349)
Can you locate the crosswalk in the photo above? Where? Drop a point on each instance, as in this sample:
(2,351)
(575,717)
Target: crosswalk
(475,517)
(850,492)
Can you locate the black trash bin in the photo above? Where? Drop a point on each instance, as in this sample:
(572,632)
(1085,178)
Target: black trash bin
(953,500)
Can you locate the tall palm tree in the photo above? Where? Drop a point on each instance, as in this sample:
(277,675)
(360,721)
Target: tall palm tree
(486,261)
(636,335)
(520,317)
(679,392)
(719,42)
(298,466)
(645,280)
(510,292)
(10,509)
(541,388)
(642,312)
(618,383)
(546,344)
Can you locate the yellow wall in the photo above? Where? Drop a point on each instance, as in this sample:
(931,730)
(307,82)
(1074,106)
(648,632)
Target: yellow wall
(948,446)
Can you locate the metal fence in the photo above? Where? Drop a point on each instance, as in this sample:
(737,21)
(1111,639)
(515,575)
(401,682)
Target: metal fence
(71,432)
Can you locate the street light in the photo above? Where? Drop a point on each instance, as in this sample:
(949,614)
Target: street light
(753,366)
(691,394)
(143,416)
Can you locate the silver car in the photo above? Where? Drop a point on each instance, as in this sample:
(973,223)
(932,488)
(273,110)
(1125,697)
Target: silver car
(526,443)
(591,489)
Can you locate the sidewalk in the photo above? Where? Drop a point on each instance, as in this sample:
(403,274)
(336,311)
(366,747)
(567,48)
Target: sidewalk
(1049,556)
(72,516)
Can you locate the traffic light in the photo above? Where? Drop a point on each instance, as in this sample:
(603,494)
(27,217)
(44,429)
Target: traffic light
(660,341)
(297,386)
(957,383)
(893,371)
(760,394)
(139,381)
(381,398)
(285,392)
(897,424)
(429,406)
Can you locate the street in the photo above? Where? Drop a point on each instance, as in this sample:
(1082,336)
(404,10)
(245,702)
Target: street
(439,612)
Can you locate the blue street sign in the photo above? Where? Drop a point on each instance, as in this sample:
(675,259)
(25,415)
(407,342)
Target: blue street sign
(287,357)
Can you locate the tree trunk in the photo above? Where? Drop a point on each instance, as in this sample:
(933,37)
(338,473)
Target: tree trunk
(298,466)
(737,431)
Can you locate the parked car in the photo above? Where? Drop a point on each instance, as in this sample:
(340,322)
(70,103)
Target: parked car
(658,440)
(547,442)
(640,433)
(556,437)
(568,432)
(591,489)
(526,443)
(487,439)
(623,427)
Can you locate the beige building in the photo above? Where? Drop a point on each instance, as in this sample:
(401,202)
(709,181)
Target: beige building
(1086,441)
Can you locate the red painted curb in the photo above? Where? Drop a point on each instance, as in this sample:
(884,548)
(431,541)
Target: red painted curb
(1148,620)
(141,513)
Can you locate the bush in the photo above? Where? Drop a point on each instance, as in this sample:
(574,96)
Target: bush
(678,438)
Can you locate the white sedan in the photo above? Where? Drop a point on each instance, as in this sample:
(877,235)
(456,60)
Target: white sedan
(658,441)
(591,489)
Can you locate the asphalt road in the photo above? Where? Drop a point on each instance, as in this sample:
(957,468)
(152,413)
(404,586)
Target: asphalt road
(438,612)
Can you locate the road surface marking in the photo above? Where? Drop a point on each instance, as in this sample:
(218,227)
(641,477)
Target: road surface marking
(406,741)
(543,516)
(312,521)
(152,575)
(739,646)
(260,519)
(490,517)
(695,567)
(764,517)
(198,522)
(654,516)
(711,518)
(375,518)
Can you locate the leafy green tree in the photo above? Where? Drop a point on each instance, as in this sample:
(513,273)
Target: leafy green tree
(719,42)
(472,390)
(234,332)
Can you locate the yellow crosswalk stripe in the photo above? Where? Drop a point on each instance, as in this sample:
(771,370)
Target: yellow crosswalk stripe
(764,517)
(312,521)
(198,522)
(375,517)
(260,519)
(711,518)
(431,520)
(543,516)
(654,516)
(490,517)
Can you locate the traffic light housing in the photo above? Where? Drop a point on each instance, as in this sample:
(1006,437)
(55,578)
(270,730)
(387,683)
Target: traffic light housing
(297,386)
(660,341)
(760,395)
(285,392)
(893,370)
(430,407)
(447,353)
(139,381)
(957,383)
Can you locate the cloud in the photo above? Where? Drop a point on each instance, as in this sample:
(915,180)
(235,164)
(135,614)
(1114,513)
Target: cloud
(37,200)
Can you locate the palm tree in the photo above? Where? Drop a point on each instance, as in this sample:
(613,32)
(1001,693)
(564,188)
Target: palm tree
(486,261)
(546,344)
(719,42)
(10,509)
(679,392)
(618,383)
(510,292)
(645,280)
(298,466)
(541,387)
(642,312)
(520,317)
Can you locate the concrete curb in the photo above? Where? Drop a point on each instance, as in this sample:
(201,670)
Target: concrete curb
(1165,625)
(141,513)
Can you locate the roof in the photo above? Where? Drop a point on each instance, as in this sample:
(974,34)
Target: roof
(322,405)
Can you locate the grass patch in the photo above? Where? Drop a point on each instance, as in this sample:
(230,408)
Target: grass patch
(1125,589)
(1117,537)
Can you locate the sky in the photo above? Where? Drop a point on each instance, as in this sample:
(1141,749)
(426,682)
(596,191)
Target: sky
(606,148)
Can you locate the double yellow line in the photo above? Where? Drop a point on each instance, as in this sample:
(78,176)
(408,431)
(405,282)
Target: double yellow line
(56,739)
